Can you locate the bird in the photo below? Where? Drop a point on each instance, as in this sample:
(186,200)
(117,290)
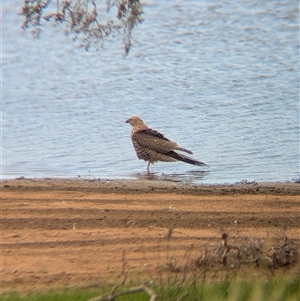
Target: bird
(152,146)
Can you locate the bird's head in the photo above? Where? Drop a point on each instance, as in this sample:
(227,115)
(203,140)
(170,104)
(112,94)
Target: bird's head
(135,121)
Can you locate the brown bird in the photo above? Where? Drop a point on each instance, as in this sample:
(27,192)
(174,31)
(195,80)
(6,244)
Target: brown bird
(152,146)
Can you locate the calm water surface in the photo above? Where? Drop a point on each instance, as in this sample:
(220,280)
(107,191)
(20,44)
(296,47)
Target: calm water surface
(219,77)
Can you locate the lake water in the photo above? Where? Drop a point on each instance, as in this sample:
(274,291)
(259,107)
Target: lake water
(221,78)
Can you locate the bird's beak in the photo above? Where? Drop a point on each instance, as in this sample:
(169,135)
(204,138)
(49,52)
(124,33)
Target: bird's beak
(127,121)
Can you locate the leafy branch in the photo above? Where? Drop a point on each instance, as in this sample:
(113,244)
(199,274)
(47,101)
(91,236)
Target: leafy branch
(81,19)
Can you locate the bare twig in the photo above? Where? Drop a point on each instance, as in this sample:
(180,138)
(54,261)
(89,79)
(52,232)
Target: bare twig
(188,288)
(142,288)
(117,286)
(283,255)
(123,263)
(227,248)
(169,233)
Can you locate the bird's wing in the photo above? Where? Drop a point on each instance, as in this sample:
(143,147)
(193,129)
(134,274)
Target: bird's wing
(154,140)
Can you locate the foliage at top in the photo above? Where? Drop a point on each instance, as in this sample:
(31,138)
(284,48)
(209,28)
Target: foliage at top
(81,19)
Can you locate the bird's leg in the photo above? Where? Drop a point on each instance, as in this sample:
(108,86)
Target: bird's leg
(148,167)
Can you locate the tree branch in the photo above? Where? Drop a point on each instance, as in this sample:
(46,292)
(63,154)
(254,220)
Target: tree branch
(142,288)
(81,19)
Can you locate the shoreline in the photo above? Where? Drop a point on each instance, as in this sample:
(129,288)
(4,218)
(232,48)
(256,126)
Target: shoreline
(149,186)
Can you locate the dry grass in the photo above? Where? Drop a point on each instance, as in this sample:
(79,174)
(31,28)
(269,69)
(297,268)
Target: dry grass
(214,263)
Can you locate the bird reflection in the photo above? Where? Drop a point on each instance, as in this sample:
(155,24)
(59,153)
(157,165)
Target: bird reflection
(189,176)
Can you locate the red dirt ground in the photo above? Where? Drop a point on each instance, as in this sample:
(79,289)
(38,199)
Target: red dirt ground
(78,232)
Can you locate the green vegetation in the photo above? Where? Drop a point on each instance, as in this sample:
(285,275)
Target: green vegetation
(236,290)
(249,269)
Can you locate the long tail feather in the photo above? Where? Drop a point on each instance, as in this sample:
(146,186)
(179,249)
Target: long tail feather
(185,159)
(184,150)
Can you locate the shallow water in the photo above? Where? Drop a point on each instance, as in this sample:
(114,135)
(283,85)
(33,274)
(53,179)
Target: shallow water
(221,79)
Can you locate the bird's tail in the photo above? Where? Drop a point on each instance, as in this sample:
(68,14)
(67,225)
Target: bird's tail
(185,159)
(184,150)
